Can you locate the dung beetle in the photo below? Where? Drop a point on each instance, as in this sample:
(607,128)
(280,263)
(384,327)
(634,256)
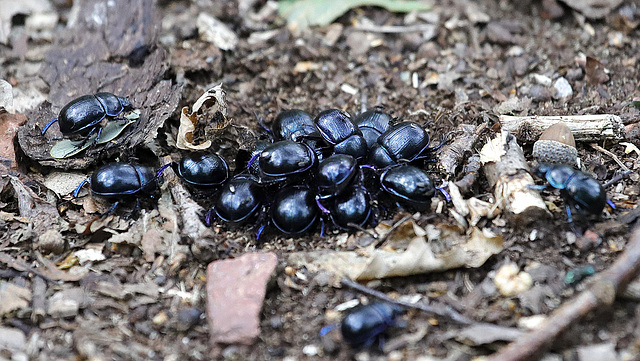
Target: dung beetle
(284,158)
(337,128)
(351,209)
(335,174)
(121,180)
(578,189)
(366,324)
(201,170)
(372,124)
(408,185)
(294,209)
(83,115)
(403,142)
(296,125)
(238,200)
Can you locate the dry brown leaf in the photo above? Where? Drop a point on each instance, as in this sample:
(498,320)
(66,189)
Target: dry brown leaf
(210,110)
(418,257)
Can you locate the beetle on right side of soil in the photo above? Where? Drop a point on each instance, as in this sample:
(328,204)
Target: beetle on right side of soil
(579,190)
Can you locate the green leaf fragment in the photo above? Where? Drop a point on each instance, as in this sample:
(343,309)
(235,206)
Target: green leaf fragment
(301,14)
(68,148)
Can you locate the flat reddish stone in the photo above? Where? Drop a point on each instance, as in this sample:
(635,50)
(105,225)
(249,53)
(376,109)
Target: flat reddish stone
(235,293)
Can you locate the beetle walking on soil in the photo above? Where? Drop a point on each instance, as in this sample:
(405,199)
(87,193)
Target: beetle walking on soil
(579,190)
(367,324)
(121,180)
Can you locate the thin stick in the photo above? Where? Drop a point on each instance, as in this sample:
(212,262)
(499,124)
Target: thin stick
(601,293)
(438,310)
(615,158)
(617,178)
(391,29)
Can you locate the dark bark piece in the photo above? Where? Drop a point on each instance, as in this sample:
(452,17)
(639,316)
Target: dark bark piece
(110,48)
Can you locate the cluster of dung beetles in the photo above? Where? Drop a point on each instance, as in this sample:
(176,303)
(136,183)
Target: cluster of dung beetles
(305,171)
(309,171)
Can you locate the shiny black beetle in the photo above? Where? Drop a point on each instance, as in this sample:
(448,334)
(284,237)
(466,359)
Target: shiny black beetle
(352,209)
(294,210)
(579,190)
(403,142)
(239,200)
(83,115)
(372,124)
(284,158)
(408,185)
(335,174)
(121,180)
(337,128)
(366,324)
(296,125)
(201,170)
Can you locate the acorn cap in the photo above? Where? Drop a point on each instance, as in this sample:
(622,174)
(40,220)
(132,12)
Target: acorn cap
(556,145)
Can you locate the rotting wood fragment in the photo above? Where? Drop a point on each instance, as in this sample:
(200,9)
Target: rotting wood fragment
(508,173)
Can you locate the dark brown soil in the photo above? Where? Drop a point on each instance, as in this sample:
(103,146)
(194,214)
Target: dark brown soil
(464,70)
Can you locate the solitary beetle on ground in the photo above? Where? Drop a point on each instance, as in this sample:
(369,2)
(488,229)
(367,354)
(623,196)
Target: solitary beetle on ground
(82,116)
(579,190)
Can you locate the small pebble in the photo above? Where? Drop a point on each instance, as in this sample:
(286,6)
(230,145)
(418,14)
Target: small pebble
(510,281)
(310,350)
(542,80)
(540,93)
(563,88)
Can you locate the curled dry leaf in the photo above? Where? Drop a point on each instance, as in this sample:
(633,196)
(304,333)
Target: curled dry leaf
(419,255)
(210,110)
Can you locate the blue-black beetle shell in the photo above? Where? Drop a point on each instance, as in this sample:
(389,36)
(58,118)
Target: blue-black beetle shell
(402,142)
(83,113)
(294,209)
(578,188)
(408,184)
(335,174)
(365,324)
(337,128)
(351,207)
(203,169)
(372,124)
(294,124)
(121,179)
(238,200)
(286,157)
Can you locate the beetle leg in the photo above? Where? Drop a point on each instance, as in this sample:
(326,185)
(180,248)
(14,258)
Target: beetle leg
(159,173)
(111,209)
(207,217)
(536,187)
(46,127)
(610,203)
(326,329)
(444,193)
(570,220)
(77,190)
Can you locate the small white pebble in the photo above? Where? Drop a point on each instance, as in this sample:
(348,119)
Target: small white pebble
(563,88)
(510,281)
(310,350)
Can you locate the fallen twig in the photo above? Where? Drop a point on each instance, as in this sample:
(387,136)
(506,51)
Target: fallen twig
(613,156)
(596,127)
(438,310)
(601,292)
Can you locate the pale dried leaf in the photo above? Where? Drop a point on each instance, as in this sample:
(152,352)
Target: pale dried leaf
(210,110)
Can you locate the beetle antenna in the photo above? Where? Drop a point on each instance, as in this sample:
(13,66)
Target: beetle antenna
(44,130)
